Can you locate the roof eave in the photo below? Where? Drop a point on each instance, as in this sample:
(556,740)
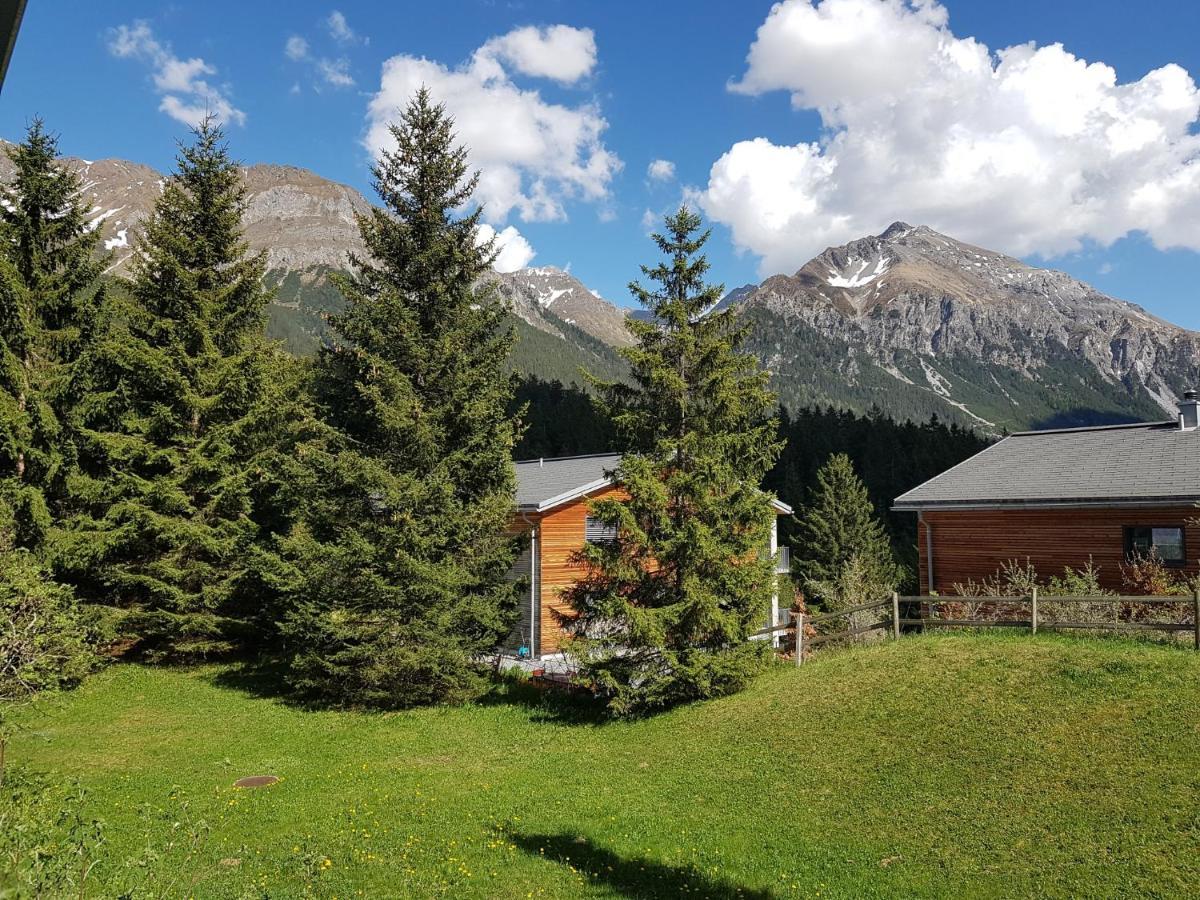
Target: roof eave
(575,493)
(1045,503)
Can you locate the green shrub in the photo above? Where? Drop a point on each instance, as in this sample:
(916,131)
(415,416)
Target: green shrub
(1081,582)
(43,644)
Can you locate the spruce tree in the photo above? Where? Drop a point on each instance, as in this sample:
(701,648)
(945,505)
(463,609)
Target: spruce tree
(175,406)
(403,555)
(837,524)
(665,609)
(49,296)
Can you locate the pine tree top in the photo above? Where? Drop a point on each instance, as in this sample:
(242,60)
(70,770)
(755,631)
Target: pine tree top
(44,224)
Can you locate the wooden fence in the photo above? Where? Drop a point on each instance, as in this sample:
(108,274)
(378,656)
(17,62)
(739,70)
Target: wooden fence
(892,620)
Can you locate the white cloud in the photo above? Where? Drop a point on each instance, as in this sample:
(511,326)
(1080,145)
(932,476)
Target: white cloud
(559,52)
(513,250)
(336,72)
(296,48)
(186,96)
(1028,149)
(661,170)
(340,30)
(532,155)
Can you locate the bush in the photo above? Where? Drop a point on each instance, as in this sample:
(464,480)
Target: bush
(43,644)
(1148,574)
(1011,580)
(857,581)
(1084,582)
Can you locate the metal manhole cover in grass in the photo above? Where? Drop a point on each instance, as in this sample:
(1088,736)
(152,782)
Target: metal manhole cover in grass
(255,781)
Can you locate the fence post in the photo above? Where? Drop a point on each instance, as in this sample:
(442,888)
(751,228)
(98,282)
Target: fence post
(799,638)
(1033,612)
(895,616)
(1196,615)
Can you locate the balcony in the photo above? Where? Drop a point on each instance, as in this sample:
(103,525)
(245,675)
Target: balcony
(783,562)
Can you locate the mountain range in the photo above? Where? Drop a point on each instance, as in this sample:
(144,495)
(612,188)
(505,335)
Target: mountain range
(910,320)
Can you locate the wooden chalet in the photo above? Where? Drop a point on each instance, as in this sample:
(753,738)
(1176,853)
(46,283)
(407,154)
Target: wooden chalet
(552,506)
(1059,498)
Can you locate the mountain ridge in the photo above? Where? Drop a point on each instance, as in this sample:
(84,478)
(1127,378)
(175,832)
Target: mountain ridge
(922,308)
(307,225)
(910,320)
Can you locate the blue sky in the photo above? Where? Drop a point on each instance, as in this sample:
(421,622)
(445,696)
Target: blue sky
(791,130)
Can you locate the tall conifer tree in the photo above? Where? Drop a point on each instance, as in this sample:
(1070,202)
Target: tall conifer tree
(665,611)
(839,523)
(49,296)
(175,399)
(404,553)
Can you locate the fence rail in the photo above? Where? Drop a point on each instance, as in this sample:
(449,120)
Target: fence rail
(1034,621)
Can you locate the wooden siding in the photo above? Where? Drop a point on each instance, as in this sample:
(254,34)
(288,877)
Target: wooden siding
(973,544)
(561,535)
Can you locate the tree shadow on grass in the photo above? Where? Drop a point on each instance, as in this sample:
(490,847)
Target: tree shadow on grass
(634,876)
(547,704)
(264,677)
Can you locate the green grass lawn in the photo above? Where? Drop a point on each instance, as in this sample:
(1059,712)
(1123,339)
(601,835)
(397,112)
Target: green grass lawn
(942,765)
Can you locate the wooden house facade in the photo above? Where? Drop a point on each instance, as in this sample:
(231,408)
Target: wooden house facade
(552,507)
(1061,498)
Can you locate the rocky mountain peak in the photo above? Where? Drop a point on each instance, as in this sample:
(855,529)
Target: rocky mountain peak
(895,229)
(540,290)
(307,225)
(993,338)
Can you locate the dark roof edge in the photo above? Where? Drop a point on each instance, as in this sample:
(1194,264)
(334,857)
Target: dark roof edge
(1115,427)
(550,459)
(570,496)
(1047,503)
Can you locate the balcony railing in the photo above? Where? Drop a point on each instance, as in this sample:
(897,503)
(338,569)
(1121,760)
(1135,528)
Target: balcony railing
(783,562)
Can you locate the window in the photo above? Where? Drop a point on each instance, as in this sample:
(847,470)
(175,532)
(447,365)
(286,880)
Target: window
(597,532)
(1165,542)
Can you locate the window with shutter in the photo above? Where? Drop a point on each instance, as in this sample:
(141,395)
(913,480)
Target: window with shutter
(597,532)
(1167,543)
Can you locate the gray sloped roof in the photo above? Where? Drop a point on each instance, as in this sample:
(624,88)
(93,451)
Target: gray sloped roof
(542,483)
(546,483)
(1108,465)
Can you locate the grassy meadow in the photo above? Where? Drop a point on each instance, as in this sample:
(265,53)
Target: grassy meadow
(944,765)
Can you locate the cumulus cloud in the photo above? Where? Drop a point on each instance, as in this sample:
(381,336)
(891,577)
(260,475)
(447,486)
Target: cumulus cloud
(340,30)
(296,48)
(335,72)
(532,155)
(513,251)
(185,94)
(661,170)
(1027,149)
(559,52)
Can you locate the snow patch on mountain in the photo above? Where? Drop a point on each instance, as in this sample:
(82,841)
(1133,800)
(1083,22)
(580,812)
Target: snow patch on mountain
(861,276)
(108,213)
